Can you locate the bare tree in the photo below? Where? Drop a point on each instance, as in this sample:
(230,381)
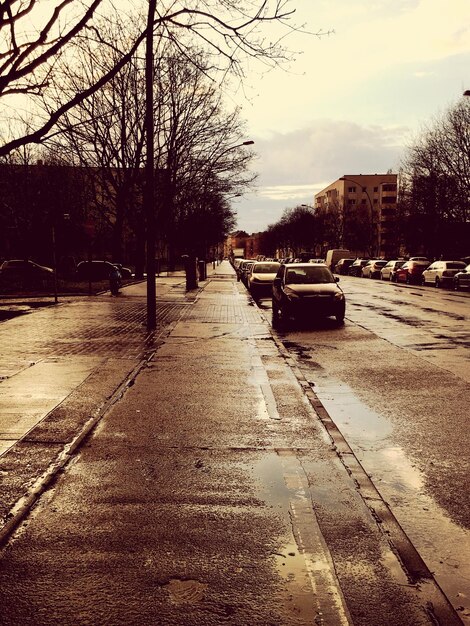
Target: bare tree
(228,29)
(434,201)
(104,134)
(199,159)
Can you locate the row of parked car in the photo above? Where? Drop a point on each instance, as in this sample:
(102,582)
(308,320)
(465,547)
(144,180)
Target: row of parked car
(30,272)
(416,270)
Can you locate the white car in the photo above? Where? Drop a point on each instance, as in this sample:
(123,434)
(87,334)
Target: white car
(260,278)
(372,269)
(441,273)
(462,279)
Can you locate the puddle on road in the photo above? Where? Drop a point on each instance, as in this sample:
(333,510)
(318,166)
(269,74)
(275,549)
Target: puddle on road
(10,311)
(443,545)
(185,591)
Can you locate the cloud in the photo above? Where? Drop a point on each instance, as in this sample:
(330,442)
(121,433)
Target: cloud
(294,166)
(324,150)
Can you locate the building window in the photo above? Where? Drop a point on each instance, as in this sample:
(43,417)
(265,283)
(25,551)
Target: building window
(363,201)
(364,189)
(389,200)
(351,201)
(376,189)
(376,201)
(389,187)
(351,189)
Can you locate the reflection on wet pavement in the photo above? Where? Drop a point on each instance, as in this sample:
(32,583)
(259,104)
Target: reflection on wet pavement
(27,397)
(442,543)
(304,561)
(50,352)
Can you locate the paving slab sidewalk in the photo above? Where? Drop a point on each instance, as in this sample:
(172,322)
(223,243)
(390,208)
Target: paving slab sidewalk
(60,366)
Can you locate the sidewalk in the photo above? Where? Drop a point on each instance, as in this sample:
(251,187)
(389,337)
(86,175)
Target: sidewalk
(208,491)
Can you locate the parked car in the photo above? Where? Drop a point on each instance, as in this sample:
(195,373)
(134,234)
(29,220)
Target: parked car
(306,290)
(462,279)
(355,269)
(388,272)
(441,273)
(343,266)
(410,272)
(25,271)
(260,278)
(94,270)
(243,268)
(320,261)
(125,271)
(372,268)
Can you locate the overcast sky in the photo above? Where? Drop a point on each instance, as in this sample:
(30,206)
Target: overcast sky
(352,99)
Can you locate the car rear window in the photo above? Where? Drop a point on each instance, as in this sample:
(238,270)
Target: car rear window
(309,275)
(455,266)
(266,268)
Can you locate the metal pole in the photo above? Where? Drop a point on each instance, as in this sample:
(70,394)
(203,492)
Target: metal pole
(149,191)
(54,260)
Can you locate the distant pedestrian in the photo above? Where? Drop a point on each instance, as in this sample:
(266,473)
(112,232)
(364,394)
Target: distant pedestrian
(114,281)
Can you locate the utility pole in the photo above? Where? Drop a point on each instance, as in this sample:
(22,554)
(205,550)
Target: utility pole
(149,191)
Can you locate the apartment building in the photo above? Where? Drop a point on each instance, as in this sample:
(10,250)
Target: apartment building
(363,213)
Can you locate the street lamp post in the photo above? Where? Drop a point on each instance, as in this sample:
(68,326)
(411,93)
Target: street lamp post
(149,190)
(371,208)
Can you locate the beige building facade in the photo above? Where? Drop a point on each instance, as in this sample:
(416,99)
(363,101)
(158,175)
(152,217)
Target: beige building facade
(362,212)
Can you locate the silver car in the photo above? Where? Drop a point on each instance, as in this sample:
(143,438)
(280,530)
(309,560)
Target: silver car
(388,272)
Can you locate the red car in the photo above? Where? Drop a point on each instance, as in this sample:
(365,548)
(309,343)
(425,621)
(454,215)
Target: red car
(411,271)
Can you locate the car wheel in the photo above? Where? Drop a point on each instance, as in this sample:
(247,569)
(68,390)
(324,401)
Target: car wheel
(279,315)
(423,281)
(437,283)
(340,317)
(408,279)
(456,284)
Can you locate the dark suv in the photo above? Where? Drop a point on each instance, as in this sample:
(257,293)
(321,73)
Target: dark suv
(356,268)
(343,266)
(306,290)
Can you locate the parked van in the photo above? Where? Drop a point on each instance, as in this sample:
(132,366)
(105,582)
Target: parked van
(333,256)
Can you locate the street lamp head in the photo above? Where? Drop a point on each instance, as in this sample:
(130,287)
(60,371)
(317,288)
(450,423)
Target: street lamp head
(250,142)
(466,92)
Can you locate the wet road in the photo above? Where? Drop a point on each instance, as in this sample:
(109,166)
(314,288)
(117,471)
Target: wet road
(395,380)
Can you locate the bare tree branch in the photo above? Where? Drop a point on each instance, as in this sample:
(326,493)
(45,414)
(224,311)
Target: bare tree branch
(228,30)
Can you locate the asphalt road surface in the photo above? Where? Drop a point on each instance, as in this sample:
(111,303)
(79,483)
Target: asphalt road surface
(395,379)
